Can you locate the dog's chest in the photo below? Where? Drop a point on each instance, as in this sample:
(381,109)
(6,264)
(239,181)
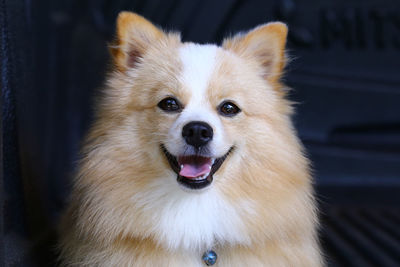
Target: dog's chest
(192,222)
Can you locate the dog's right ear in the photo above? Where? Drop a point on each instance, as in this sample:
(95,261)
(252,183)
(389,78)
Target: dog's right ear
(265,44)
(134,35)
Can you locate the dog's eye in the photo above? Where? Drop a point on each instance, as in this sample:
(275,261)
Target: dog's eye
(170,104)
(228,109)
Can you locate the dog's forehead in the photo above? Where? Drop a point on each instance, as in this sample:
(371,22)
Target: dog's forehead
(198,65)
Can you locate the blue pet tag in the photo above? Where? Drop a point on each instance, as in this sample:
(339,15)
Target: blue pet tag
(209,257)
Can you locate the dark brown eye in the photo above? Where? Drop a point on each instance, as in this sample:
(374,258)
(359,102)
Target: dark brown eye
(170,104)
(228,109)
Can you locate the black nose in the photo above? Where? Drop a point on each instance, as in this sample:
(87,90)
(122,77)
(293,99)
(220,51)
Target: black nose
(197,133)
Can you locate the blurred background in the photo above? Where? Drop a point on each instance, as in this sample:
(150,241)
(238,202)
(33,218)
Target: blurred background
(345,71)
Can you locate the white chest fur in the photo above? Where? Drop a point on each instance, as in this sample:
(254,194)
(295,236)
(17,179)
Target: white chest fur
(190,220)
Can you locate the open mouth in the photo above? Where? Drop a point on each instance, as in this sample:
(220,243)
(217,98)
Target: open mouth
(194,171)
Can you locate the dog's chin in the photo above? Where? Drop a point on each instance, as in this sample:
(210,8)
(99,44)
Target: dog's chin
(204,168)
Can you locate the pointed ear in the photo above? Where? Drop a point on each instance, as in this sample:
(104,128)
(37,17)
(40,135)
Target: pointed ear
(266,45)
(133,36)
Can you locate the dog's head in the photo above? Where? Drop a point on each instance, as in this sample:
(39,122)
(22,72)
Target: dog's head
(198,106)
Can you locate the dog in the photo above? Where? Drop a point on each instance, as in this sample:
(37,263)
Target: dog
(192,159)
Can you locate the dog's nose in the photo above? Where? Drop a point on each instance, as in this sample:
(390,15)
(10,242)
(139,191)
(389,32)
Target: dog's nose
(197,133)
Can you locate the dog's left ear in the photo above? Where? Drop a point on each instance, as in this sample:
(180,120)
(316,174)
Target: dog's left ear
(266,45)
(134,35)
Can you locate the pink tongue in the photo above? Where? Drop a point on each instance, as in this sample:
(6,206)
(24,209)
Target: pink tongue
(195,169)
(192,171)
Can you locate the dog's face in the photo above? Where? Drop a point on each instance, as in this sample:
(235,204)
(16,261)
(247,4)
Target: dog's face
(198,106)
(196,143)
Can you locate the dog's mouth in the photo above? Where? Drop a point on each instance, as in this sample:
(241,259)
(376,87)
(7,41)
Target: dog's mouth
(194,171)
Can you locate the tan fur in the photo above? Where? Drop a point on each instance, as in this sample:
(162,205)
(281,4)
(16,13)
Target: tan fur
(266,179)
(253,47)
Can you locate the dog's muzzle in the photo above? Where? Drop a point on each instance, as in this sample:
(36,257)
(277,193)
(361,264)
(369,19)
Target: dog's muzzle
(194,171)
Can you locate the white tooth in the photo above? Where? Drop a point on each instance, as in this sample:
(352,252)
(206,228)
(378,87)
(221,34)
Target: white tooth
(209,167)
(212,161)
(204,176)
(181,166)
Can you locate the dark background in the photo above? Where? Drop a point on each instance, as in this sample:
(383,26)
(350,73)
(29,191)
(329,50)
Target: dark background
(345,72)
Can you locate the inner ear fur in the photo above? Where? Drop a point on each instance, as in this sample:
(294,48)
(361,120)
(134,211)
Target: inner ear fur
(265,44)
(134,35)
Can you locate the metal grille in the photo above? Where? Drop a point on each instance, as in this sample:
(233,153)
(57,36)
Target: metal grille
(361,236)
